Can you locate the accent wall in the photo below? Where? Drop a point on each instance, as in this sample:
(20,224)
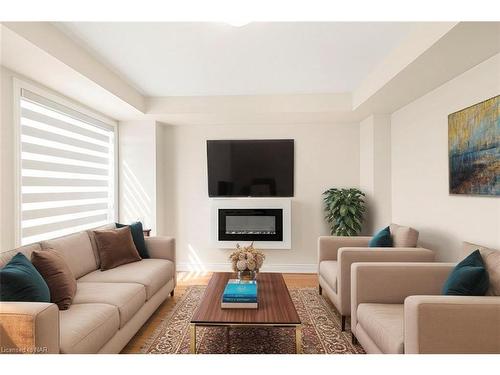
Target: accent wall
(326,155)
(419,154)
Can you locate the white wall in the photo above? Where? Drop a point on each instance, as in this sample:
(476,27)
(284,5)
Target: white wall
(137,168)
(420,167)
(166,195)
(375,171)
(325,156)
(7,193)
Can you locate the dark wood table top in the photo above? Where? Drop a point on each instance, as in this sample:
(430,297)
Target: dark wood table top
(275,303)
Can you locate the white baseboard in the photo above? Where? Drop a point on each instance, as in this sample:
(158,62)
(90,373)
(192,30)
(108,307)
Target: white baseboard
(225,267)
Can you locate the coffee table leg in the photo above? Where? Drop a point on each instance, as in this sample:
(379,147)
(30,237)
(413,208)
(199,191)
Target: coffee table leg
(298,339)
(192,338)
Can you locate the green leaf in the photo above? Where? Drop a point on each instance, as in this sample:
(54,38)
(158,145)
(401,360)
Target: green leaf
(348,221)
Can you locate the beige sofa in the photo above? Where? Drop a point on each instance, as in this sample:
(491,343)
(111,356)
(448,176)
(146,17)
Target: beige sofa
(398,308)
(109,306)
(337,254)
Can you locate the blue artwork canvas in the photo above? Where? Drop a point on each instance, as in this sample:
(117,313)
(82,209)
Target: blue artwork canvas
(474,149)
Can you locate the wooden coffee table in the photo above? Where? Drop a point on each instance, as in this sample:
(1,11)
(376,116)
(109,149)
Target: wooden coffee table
(276,308)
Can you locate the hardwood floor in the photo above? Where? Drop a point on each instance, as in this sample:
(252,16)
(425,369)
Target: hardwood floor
(185,279)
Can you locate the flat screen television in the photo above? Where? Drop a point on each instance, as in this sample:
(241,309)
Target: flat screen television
(250,168)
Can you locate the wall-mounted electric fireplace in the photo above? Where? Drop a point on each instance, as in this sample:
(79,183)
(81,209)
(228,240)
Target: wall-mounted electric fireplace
(264,221)
(250,224)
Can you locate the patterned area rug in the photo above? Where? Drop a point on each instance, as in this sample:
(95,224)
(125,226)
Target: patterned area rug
(320,330)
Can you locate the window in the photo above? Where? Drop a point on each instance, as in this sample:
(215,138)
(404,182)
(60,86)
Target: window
(67,165)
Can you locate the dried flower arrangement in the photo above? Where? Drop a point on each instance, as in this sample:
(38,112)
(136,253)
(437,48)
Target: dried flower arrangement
(246,258)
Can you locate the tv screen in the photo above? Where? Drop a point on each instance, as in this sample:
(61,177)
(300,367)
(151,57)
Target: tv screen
(250,168)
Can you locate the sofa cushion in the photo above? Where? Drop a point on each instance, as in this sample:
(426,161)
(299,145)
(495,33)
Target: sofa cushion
(85,328)
(76,250)
(468,278)
(6,256)
(384,323)
(127,297)
(328,270)
(138,237)
(381,239)
(20,281)
(57,275)
(403,236)
(116,247)
(90,232)
(491,258)
(152,273)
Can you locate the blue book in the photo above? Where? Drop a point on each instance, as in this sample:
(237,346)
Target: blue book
(237,300)
(237,290)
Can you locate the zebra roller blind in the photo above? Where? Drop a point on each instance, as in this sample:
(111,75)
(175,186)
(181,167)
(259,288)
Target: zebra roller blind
(67,170)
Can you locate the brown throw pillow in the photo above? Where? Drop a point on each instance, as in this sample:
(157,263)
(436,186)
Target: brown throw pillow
(58,276)
(115,247)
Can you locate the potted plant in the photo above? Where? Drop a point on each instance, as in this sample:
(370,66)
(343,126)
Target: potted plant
(344,210)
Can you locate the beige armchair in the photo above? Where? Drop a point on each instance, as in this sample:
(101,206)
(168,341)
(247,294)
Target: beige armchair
(397,308)
(336,255)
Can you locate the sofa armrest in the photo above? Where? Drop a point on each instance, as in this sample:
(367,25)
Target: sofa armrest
(160,247)
(328,246)
(393,282)
(29,327)
(346,256)
(452,324)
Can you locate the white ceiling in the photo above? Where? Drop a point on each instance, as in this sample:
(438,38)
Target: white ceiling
(198,59)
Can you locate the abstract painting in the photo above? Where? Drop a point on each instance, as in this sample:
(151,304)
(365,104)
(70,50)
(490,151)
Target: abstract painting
(474,149)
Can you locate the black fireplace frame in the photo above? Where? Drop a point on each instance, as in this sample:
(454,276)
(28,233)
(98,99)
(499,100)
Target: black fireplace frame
(224,212)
